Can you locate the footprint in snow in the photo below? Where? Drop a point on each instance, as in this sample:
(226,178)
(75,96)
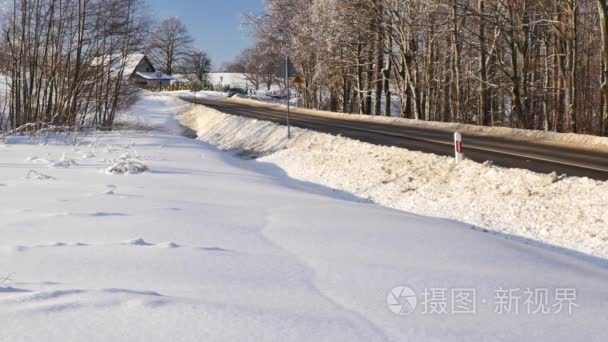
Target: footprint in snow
(137,242)
(10,289)
(64,244)
(142,242)
(8,250)
(215,249)
(168,245)
(111,190)
(104,214)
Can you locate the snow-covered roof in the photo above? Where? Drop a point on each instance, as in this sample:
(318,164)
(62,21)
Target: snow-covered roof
(131,62)
(155,76)
(116,61)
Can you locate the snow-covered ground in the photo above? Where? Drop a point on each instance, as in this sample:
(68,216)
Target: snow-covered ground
(566,212)
(208,247)
(229,79)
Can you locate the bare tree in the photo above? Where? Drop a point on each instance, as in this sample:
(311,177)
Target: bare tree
(196,66)
(603,21)
(169,45)
(259,67)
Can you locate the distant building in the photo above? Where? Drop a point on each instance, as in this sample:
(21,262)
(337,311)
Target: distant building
(138,70)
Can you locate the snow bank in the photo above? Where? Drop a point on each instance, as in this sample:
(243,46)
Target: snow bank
(561,139)
(569,212)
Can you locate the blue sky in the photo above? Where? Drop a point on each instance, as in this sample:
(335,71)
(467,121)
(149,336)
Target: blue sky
(214,24)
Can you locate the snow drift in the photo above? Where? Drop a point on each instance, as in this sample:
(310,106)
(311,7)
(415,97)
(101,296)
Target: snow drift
(566,212)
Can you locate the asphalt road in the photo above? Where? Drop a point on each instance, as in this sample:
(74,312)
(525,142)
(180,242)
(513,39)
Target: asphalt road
(506,152)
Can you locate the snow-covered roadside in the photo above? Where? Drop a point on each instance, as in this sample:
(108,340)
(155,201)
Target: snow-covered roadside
(208,247)
(552,138)
(569,212)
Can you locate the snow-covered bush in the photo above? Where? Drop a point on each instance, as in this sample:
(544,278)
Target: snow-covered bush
(129,166)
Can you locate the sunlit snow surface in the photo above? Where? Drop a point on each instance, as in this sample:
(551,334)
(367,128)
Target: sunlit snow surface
(208,247)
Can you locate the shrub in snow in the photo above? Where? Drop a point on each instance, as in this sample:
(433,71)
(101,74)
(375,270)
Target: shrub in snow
(63,162)
(130,166)
(37,175)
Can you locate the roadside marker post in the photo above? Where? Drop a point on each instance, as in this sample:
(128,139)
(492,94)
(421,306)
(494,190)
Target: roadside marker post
(458,148)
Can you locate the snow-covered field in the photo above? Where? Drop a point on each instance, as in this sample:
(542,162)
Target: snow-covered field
(230,79)
(208,247)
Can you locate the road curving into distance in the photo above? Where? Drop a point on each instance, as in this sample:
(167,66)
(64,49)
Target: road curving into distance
(503,151)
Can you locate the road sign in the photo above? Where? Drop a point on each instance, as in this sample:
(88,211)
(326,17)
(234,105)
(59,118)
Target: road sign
(287,67)
(298,80)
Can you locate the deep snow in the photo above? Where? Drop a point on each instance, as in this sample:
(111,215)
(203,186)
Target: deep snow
(566,212)
(208,247)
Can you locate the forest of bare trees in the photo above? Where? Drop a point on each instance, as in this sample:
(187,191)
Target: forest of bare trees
(60,61)
(534,64)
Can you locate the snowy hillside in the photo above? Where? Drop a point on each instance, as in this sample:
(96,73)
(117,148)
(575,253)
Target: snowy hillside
(205,246)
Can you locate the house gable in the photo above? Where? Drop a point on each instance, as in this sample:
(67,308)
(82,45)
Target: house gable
(144,65)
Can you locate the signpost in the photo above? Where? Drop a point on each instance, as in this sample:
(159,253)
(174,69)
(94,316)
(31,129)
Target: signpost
(286,71)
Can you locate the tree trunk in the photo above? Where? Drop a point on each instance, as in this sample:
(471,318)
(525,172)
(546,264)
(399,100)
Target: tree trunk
(603,15)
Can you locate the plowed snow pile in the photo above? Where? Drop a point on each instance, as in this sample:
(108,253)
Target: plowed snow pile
(568,212)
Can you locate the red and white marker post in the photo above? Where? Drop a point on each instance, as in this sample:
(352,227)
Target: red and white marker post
(458,149)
